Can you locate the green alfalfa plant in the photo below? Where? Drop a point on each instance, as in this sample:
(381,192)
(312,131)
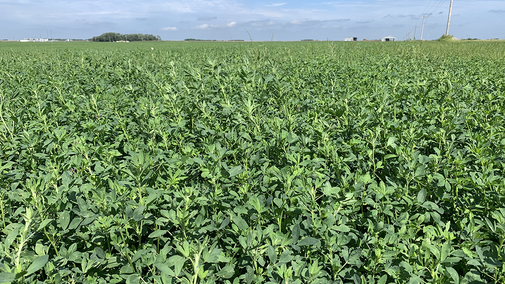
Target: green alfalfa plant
(363,162)
(446,38)
(250,37)
(20,265)
(6,127)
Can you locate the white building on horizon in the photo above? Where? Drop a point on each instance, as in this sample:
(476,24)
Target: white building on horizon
(34,40)
(389,38)
(351,38)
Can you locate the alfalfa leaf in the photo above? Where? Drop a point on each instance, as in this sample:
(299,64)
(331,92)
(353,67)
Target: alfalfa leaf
(37,264)
(6,277)
(241,223)
(296,232)
(342,228)
(227,272)
(453,273)
(308,241)
(165,269)
(235,171)
(44,223)
(157,233)
(272,255)
(421,196)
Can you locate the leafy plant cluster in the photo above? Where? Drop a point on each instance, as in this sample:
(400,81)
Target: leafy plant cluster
(252,163)
(111,37)
(446,38)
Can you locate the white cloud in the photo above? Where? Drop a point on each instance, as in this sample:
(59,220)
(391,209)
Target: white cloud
(207,26)
(298,22)
(206,18)
(202,6)
(202,27)
(101,23)
(262,23)
(316,22)
(276,4)
(169,29)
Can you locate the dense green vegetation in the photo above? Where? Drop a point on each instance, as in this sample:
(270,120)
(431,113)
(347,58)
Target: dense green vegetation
(111,37)
(446,38)
(252,162)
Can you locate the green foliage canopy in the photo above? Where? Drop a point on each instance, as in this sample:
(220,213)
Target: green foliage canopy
(252,163)
(111,37)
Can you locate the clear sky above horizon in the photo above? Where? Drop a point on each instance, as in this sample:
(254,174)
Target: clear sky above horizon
(264,20)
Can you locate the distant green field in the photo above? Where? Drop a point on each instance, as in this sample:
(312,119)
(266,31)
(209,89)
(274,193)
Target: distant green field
(262,162)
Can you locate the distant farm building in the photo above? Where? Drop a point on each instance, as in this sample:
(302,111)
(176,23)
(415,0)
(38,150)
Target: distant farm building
(351,39)
(34,40)
(389,38)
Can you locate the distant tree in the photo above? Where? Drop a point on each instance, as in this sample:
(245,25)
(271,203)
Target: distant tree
(111,37)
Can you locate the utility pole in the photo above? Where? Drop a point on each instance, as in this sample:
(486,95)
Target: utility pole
(449,19)
(415,31)
(422,28)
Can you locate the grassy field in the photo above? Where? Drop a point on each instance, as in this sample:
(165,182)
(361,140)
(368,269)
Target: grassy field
(314,162)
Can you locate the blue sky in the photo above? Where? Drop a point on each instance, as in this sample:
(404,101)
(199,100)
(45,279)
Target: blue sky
(264,20)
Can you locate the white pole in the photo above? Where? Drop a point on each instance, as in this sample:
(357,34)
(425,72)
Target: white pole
(449,19)
(422,29)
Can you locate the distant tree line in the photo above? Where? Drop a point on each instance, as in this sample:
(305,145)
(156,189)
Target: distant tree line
(196,39)
(110,37)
